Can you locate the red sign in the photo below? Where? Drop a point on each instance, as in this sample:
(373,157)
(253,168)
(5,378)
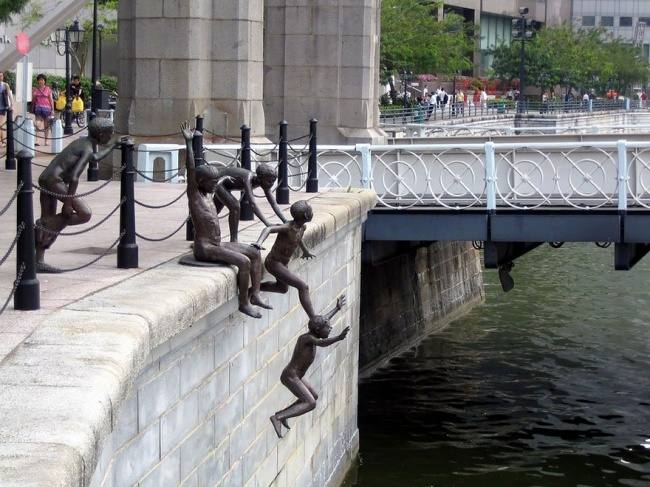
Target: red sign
(22,43)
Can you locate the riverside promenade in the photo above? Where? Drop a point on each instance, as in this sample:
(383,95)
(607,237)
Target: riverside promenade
(114,380)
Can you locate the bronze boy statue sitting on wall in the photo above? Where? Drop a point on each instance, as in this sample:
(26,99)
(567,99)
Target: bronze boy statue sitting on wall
(59,182)
(239,179)
(208,247)
(304,353)
(288,240)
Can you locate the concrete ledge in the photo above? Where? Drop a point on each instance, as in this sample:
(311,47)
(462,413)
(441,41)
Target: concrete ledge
(61,390)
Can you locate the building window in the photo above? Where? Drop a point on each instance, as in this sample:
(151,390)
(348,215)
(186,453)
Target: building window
(588,21)
(625,22)
(645,20)
(607,21)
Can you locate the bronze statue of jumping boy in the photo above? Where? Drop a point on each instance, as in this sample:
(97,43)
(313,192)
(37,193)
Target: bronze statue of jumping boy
(288,240)
(59,182)
(208,247)
(304,353)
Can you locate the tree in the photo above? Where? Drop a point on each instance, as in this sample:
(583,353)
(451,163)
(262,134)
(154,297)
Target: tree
(584,59)
(413,38)
(11,7)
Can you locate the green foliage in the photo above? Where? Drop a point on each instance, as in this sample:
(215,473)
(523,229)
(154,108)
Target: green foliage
(10,7)
(584,59)
(413,38)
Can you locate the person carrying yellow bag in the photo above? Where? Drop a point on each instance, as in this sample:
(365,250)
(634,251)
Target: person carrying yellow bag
(77,105)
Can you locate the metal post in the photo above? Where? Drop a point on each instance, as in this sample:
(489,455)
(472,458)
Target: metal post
(10,161)
(246,212)
(282,191)
(127,249)
(92,172)
(622,175)
(93,89)
(27,295)
(57,136)
(197,148)
(312,168)
(490,176)
(199,123)
(67,129)
(366,164)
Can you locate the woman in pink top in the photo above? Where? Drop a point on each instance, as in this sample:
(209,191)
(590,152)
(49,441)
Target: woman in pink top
(43,106)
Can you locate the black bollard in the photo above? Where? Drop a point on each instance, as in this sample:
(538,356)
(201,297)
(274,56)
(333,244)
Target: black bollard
(246,212)
(127,249)
(282,191)
(93,166)
(197,147)
(199,123)
(10,161)
(27,295)
(312,171)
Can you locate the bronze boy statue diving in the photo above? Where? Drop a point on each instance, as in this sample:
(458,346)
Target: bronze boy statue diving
(59,182)
(202,181)
(288,240)
(304,353)
(239,179)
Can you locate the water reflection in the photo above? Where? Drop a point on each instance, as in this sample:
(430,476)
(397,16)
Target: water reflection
(548,385)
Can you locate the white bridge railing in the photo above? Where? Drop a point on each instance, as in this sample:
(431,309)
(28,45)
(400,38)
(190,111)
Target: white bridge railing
(581,175)
(421,130)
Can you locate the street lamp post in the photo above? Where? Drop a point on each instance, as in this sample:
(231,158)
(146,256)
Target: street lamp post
(406,76)
(100,30)
(521,31)
(93,91)
(68,36)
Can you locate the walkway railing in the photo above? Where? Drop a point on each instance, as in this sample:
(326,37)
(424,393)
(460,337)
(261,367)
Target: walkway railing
(422,130)
(491,108)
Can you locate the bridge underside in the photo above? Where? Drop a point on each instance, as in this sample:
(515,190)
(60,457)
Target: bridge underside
(509,233)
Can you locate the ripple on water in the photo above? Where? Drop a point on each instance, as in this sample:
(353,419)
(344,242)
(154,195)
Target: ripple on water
(547,385)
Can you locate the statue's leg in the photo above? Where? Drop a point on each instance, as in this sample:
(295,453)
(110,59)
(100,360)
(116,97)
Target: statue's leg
(284,275)
(226,198)
(220,253)
(255,258)
(306,401)
(82,212)
(276,286)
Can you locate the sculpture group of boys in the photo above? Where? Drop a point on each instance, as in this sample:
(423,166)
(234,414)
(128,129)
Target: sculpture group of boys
(209,190)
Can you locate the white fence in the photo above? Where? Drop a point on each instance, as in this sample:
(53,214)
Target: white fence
(581,175)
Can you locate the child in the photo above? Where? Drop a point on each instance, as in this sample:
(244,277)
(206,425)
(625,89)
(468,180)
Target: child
(289,238)
(61,177)
(303,356)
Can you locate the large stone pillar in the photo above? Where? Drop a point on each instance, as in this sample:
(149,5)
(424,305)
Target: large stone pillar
(321,60)
(179,58)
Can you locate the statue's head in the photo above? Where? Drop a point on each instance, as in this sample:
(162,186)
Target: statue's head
(266,175)
(100,129)
(301,211)
(320,326)
(207,177)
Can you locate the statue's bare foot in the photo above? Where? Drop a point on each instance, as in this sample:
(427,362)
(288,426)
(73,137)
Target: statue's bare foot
(257,301)
(285,423)
(276,425)
(247,309)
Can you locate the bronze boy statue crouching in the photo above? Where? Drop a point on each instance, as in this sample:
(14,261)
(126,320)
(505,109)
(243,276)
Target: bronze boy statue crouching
(304,353)
(59,182)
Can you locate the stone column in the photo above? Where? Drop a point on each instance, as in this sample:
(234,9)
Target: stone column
(180,58)
(321,61)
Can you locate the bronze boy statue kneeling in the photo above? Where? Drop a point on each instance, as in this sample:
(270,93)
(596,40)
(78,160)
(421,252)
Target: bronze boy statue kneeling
(304,353)
(59,182)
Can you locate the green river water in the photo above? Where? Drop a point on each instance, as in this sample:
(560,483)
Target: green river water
(548,385)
